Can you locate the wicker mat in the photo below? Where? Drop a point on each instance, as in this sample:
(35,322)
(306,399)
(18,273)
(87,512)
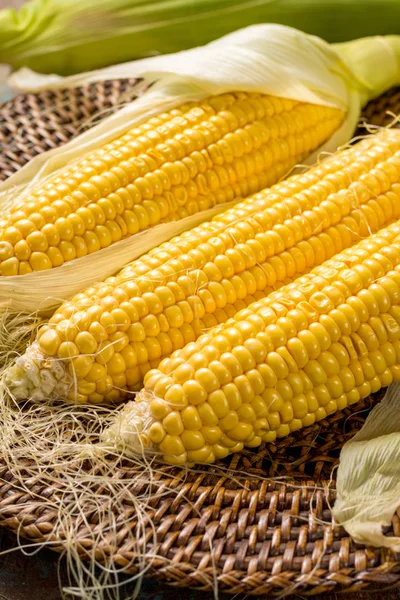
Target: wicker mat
(33,123)
(271,532)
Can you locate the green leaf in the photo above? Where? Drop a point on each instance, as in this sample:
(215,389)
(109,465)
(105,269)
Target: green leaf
(70,36)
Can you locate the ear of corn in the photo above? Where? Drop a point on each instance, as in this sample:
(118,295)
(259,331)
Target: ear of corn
(102,343)
(312,348)
(174,165)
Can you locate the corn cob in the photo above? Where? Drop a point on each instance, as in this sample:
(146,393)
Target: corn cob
(173,165)
(100,345)
(314,347)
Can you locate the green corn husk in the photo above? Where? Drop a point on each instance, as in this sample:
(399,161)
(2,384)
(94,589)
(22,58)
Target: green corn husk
(70,36)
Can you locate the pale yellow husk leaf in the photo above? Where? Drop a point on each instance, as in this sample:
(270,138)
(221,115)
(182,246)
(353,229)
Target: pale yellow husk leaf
(368,478)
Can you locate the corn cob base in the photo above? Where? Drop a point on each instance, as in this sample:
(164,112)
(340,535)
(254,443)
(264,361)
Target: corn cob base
(35,376)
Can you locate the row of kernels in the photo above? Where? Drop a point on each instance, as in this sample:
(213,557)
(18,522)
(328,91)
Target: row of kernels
(359,380)
(49,256)
(165,125)
(334,315)
(161,128)
(113,231)
(331,251)
(228,140)
(300,182)
(65,339)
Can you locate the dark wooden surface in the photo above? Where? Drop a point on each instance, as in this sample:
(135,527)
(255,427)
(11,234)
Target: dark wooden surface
(35,577)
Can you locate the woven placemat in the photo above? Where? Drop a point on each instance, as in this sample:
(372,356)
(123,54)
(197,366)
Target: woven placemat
(33,123)
(384,110)
(269,526)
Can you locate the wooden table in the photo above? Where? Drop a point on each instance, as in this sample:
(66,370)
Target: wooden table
(35,578)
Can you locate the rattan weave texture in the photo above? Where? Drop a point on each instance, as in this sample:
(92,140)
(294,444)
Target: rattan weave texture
(33,123)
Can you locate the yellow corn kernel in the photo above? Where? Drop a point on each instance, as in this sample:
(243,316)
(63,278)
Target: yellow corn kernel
(9,267)
(116,364)
(97,373)
(86,387)
(211,435)
(39,261)
(173,424)
(49,342)
(67,350)
(80,366)
(105,352)
(86,342)
(191,418)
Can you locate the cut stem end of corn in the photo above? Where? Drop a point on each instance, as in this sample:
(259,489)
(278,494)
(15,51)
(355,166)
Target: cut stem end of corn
(38,377)
(129,431)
